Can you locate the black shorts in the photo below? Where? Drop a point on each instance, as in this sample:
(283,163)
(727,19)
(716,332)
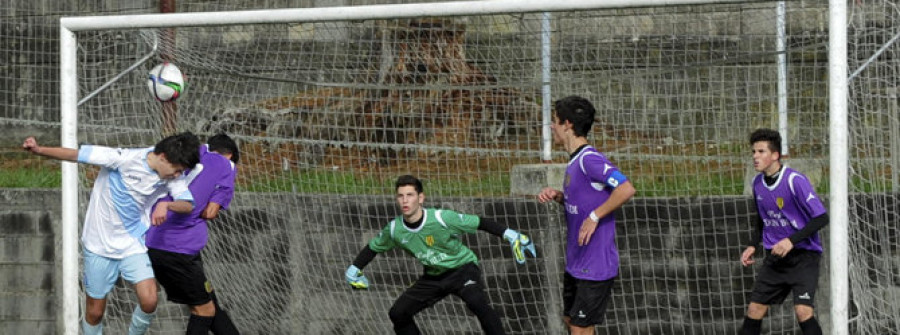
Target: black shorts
(431,289)
(182,276)
(585,301)
(798,272)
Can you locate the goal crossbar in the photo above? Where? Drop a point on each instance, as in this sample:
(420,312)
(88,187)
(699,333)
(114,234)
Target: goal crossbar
(372,12)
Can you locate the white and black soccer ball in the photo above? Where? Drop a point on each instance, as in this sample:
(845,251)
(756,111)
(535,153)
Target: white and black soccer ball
(166,82)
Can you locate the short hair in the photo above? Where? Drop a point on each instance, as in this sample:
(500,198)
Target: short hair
(224,144)
(577,110)
(409,180)
(180,149)
(768,135)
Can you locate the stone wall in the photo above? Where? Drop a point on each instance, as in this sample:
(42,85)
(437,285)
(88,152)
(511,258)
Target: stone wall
(679,274)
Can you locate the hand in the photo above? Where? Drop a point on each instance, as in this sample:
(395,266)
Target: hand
(549,194)
(783,247)
(160,213)
(355,278)
(30,145)
(747,256)
(520,244)
(588,226)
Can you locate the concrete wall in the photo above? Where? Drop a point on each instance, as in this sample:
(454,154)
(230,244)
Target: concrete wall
(29,227)
(679,272)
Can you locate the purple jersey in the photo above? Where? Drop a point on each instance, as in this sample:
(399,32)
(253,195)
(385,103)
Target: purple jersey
(187,233)
(786,207)
(590,179)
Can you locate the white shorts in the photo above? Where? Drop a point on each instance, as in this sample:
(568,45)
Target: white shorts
(101,273)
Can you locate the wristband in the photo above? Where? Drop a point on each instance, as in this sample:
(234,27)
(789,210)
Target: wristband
(594,217)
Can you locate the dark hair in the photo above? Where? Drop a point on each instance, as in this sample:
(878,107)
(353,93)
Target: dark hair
(223,144)
(180,149)
(408,180)
(768,135)
(577,110)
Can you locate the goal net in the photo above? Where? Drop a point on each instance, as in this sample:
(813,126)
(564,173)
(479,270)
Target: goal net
(329,113)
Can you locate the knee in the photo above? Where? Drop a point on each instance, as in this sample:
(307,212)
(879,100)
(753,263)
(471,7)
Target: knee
(208,309)
(93,314)
(803,312)
(757,311)
(148,303)
(399,315)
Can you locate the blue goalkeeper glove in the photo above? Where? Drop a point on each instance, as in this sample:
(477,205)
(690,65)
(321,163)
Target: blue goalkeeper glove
(356,279)
(520,244)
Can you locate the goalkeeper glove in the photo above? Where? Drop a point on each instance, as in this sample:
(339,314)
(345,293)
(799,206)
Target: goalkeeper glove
(520,243)
(355,278)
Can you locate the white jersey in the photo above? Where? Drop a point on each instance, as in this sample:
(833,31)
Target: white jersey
(124,192)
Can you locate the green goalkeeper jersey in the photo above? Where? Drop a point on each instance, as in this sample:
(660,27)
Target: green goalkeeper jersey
(435,243)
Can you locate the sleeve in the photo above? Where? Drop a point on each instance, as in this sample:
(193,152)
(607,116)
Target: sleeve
(224,190)
(103,156)
(458,222)
(601,170)
(179,190)
(810,228)
(492,227)
(365,256)
(756,232)
(806,196)
(383,241)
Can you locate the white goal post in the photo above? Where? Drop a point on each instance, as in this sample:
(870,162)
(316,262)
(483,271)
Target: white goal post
(69,109)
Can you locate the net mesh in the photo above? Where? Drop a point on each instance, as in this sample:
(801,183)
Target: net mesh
(328,114)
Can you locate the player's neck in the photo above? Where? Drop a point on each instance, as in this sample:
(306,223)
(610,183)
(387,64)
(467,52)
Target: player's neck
(415,216)
(573,143)
(773,169)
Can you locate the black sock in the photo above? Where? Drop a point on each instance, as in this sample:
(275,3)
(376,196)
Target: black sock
(751,326)
(199,325)
(811,327)
(222,324)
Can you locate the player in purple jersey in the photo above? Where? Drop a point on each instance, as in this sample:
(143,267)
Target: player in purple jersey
(174,246)
(593,189)
(790,216)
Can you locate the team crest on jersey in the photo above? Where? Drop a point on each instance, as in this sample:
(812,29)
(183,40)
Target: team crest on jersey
(780,202)
(568,180)
(429,240)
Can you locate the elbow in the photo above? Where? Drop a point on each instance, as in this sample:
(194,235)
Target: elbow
(628,190)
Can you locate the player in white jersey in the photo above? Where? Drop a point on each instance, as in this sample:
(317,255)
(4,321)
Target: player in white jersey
(118,214)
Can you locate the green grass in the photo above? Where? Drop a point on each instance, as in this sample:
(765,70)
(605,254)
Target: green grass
(341,182)
(488,185)
(31,177)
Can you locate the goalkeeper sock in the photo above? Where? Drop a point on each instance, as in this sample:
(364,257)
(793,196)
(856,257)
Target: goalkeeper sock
(199,325)
(811,327)
(751,326)
(88,329)
(140,321)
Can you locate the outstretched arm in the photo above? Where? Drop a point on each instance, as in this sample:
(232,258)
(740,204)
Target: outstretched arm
(354,275)
(520,243)
(66,154)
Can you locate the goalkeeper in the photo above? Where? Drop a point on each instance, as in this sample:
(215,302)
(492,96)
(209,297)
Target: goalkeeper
(432,236)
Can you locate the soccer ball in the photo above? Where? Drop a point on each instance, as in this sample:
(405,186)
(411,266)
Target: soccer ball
(166,82)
